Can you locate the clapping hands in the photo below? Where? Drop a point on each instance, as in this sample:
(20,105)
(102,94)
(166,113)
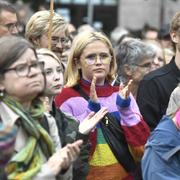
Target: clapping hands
(91,120)
(93,94)
(63,158)
(124,91)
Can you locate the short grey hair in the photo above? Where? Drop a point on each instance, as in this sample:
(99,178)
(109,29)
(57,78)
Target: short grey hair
(174,102)
(131,52)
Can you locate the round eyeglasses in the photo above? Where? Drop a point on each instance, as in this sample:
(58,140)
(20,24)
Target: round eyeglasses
(146,65)
(104,58)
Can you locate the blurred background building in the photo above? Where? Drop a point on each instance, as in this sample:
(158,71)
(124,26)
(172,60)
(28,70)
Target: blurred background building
(106,15)
(102,14)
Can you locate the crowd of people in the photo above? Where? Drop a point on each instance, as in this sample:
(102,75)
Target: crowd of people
(76,106)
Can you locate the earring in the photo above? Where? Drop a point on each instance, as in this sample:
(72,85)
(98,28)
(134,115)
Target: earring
(1,93)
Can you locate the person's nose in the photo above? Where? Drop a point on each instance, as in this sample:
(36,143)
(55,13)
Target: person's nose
(57,76)
(98,59)
(59,45)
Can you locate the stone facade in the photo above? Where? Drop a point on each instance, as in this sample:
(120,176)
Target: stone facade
(134,14)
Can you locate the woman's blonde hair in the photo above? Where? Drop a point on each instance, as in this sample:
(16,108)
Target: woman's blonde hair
(174,102)
(38,25)
(72,73)
(47,52)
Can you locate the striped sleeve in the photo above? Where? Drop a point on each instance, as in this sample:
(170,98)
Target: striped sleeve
(7,140)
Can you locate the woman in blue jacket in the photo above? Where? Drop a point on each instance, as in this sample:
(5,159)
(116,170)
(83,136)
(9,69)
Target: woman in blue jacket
(161,159)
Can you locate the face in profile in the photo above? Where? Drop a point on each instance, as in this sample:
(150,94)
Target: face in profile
(141,70)
(24,80)
(95,60)
(54,75)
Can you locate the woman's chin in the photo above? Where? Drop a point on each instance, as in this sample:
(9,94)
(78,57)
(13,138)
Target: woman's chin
(57,91)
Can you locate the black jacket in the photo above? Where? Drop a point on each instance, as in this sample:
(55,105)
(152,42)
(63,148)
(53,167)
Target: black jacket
(68,132)
(154,92)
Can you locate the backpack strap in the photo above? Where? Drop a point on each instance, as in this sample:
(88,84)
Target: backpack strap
(81,92)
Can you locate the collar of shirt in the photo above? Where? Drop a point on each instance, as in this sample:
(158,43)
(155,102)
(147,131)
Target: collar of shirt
(7,116)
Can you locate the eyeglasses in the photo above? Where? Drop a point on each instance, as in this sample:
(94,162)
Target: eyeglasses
(23,70)
(146,65)
(62,40)
(160,59)
(11,26)
(105,58)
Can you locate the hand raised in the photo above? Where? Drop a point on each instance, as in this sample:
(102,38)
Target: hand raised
(125,91)
(93,94)
(91,120)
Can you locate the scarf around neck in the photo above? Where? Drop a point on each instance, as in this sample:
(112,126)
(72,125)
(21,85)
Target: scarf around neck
(27,162)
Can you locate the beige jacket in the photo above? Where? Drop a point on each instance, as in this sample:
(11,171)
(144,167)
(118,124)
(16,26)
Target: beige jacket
(8,117)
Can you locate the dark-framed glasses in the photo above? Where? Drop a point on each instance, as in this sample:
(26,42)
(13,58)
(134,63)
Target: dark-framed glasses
(12,26)
(23,70)
(105,58)
(62,40)
(145,65)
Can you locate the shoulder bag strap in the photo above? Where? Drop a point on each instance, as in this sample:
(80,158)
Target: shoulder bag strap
(114,131)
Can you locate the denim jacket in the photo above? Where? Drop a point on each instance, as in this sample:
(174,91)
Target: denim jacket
(161,159)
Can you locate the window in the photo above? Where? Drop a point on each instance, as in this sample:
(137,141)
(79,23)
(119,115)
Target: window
(79,1)
(110,2)
(97,2)
(65,1)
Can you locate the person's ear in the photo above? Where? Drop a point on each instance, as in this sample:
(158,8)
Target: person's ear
(174,37)
(128,71)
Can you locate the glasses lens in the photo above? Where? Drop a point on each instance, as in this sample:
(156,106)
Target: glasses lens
(63,40)
(12,26)
(22,70)
(38,65)
(90,59)
(105,58)
(147,65)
